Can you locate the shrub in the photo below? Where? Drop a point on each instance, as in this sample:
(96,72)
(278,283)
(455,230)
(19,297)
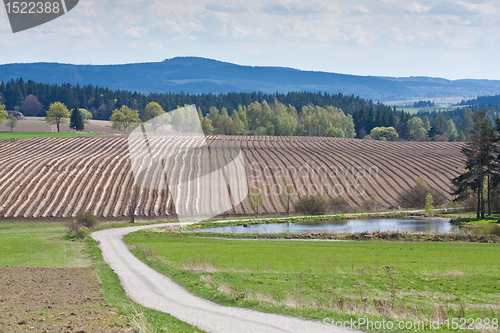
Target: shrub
(311,204)
(338,204)
(415,197)
(495,201)
(369,205)
(81,233)
(428,202)
(85,218)
(495,230)
(72,226)
(482,230)
(384,133)
(469,204)
(334,132)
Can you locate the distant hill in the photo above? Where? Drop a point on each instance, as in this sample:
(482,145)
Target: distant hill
(199,75)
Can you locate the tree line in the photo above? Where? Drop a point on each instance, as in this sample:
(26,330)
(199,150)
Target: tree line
(296,113)
(102,101)
(482,100)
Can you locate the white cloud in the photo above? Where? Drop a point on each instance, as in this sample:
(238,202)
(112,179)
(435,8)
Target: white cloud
(360,10)
(293,7)
(219,7)
(362,36)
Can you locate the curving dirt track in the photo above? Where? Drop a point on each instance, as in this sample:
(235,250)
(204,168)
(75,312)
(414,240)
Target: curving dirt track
(56,178)
(156,291)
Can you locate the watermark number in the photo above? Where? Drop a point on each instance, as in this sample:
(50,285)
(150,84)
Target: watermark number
(33,7)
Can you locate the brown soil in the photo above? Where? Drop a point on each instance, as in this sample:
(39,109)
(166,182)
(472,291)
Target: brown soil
(55,300)
(55,178)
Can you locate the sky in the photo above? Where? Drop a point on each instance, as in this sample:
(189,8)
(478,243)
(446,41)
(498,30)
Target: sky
(453,39)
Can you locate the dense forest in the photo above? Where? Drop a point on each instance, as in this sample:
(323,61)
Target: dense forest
(102,101)
(482,100)
(294,113)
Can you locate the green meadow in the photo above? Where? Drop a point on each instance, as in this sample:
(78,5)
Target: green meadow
(39,244)
(324,279)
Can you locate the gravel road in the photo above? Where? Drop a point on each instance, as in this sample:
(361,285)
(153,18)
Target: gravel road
(154,290)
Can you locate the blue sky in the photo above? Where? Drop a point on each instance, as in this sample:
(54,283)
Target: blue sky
(441,38)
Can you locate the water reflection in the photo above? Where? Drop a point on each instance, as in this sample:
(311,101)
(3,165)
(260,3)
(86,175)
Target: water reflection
(408,224)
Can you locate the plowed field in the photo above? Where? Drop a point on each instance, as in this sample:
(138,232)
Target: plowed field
(56,178)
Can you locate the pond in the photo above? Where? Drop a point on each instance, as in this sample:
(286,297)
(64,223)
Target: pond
(357,225)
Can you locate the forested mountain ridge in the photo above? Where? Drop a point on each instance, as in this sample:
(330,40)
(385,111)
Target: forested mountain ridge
(195,75)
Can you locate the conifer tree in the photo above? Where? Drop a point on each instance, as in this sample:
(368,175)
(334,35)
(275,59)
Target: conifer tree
(479,165)
(76,120)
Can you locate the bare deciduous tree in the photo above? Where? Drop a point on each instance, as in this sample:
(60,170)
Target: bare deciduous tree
(287,195)
(255,199)
(31,106)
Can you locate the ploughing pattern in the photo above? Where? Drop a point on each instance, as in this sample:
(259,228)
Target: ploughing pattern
(57,177)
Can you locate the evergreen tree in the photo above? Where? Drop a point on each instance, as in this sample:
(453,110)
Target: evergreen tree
(76,119)
(439,125)
(402,127)
(479,153)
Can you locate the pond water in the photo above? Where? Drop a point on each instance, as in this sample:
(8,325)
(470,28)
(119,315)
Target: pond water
(401,224)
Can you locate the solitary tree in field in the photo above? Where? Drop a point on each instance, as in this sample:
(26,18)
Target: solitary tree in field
(124,117)
(76,120)
(58,114)
(11,122)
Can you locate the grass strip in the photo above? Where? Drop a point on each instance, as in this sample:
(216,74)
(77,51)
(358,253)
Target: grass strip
(39,244)
(360,236)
